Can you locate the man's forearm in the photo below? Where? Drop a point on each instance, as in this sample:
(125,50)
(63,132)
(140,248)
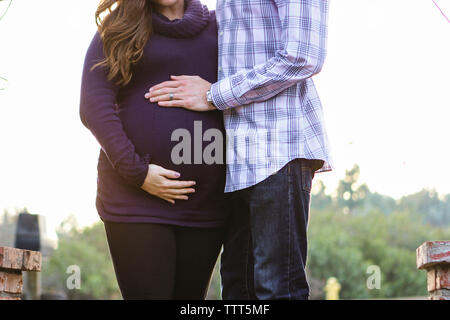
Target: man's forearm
(302,56)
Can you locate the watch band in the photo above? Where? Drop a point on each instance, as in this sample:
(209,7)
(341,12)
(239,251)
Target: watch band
(209,97)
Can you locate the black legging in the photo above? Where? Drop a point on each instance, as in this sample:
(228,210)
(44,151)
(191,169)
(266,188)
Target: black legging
(158,261)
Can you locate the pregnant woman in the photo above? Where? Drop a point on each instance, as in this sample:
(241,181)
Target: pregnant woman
(164,219)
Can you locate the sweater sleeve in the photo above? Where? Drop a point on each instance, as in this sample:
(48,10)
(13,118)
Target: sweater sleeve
(98,114)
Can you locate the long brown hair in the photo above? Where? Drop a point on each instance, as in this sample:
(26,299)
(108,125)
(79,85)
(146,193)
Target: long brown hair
(124,31)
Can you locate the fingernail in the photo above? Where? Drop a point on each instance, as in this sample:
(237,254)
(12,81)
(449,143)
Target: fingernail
(147,96)
(177,175)
(152,99)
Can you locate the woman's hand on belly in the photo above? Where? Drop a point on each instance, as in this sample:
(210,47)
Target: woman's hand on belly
(160,183)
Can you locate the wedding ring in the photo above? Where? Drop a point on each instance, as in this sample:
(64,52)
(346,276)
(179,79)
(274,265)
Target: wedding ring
(171,96)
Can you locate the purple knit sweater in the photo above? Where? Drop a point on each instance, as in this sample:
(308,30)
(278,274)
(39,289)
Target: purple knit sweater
(133,132)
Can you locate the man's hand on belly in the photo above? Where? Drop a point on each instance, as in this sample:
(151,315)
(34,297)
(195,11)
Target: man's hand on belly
(182,91)
(159,182)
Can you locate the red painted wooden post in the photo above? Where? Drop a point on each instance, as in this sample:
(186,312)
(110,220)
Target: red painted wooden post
(12,262)
(434,256)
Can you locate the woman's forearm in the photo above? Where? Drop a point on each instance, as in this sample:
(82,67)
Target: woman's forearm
(98,114)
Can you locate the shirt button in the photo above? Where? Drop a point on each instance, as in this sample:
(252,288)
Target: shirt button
(221,33)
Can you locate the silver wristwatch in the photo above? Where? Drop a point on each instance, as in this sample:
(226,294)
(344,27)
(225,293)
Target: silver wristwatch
(209,98)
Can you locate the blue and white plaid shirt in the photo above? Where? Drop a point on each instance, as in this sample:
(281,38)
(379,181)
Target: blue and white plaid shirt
(268,52)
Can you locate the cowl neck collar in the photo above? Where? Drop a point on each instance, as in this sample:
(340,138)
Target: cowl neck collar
(195,19)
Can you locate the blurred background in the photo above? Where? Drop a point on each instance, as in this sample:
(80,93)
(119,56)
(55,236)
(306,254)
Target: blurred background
(384,89)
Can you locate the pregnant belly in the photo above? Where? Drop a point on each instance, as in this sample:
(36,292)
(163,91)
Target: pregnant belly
(151,129)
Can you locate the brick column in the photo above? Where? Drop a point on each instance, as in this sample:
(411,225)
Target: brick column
(434,256)
(12,262)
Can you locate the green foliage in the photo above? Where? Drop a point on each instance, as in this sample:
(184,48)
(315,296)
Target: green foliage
(357,199)
(344,245)
(357,228)
(88,249)
(435,210)
(349,194)
(348,233)
(321,199)
(214,292)
(333,253)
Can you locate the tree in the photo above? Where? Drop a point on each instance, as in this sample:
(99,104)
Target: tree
(86,248)
(333,253)
(320,200)
(431,207)
(349,194)
(379,232)
(343,246)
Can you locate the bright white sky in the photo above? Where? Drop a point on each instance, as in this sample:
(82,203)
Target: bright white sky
(384,88)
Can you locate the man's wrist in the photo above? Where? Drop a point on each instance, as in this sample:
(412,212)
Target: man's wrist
(223,96)
(209,98)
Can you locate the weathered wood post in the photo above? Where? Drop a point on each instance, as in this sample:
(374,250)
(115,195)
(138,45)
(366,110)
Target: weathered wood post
(12,262)
(434,256)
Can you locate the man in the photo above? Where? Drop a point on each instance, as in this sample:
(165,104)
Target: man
(276,138)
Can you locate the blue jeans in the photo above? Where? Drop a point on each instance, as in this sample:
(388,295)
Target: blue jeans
(265,249)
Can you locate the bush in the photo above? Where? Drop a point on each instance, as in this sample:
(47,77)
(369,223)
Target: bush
(88,249)
(343,246)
